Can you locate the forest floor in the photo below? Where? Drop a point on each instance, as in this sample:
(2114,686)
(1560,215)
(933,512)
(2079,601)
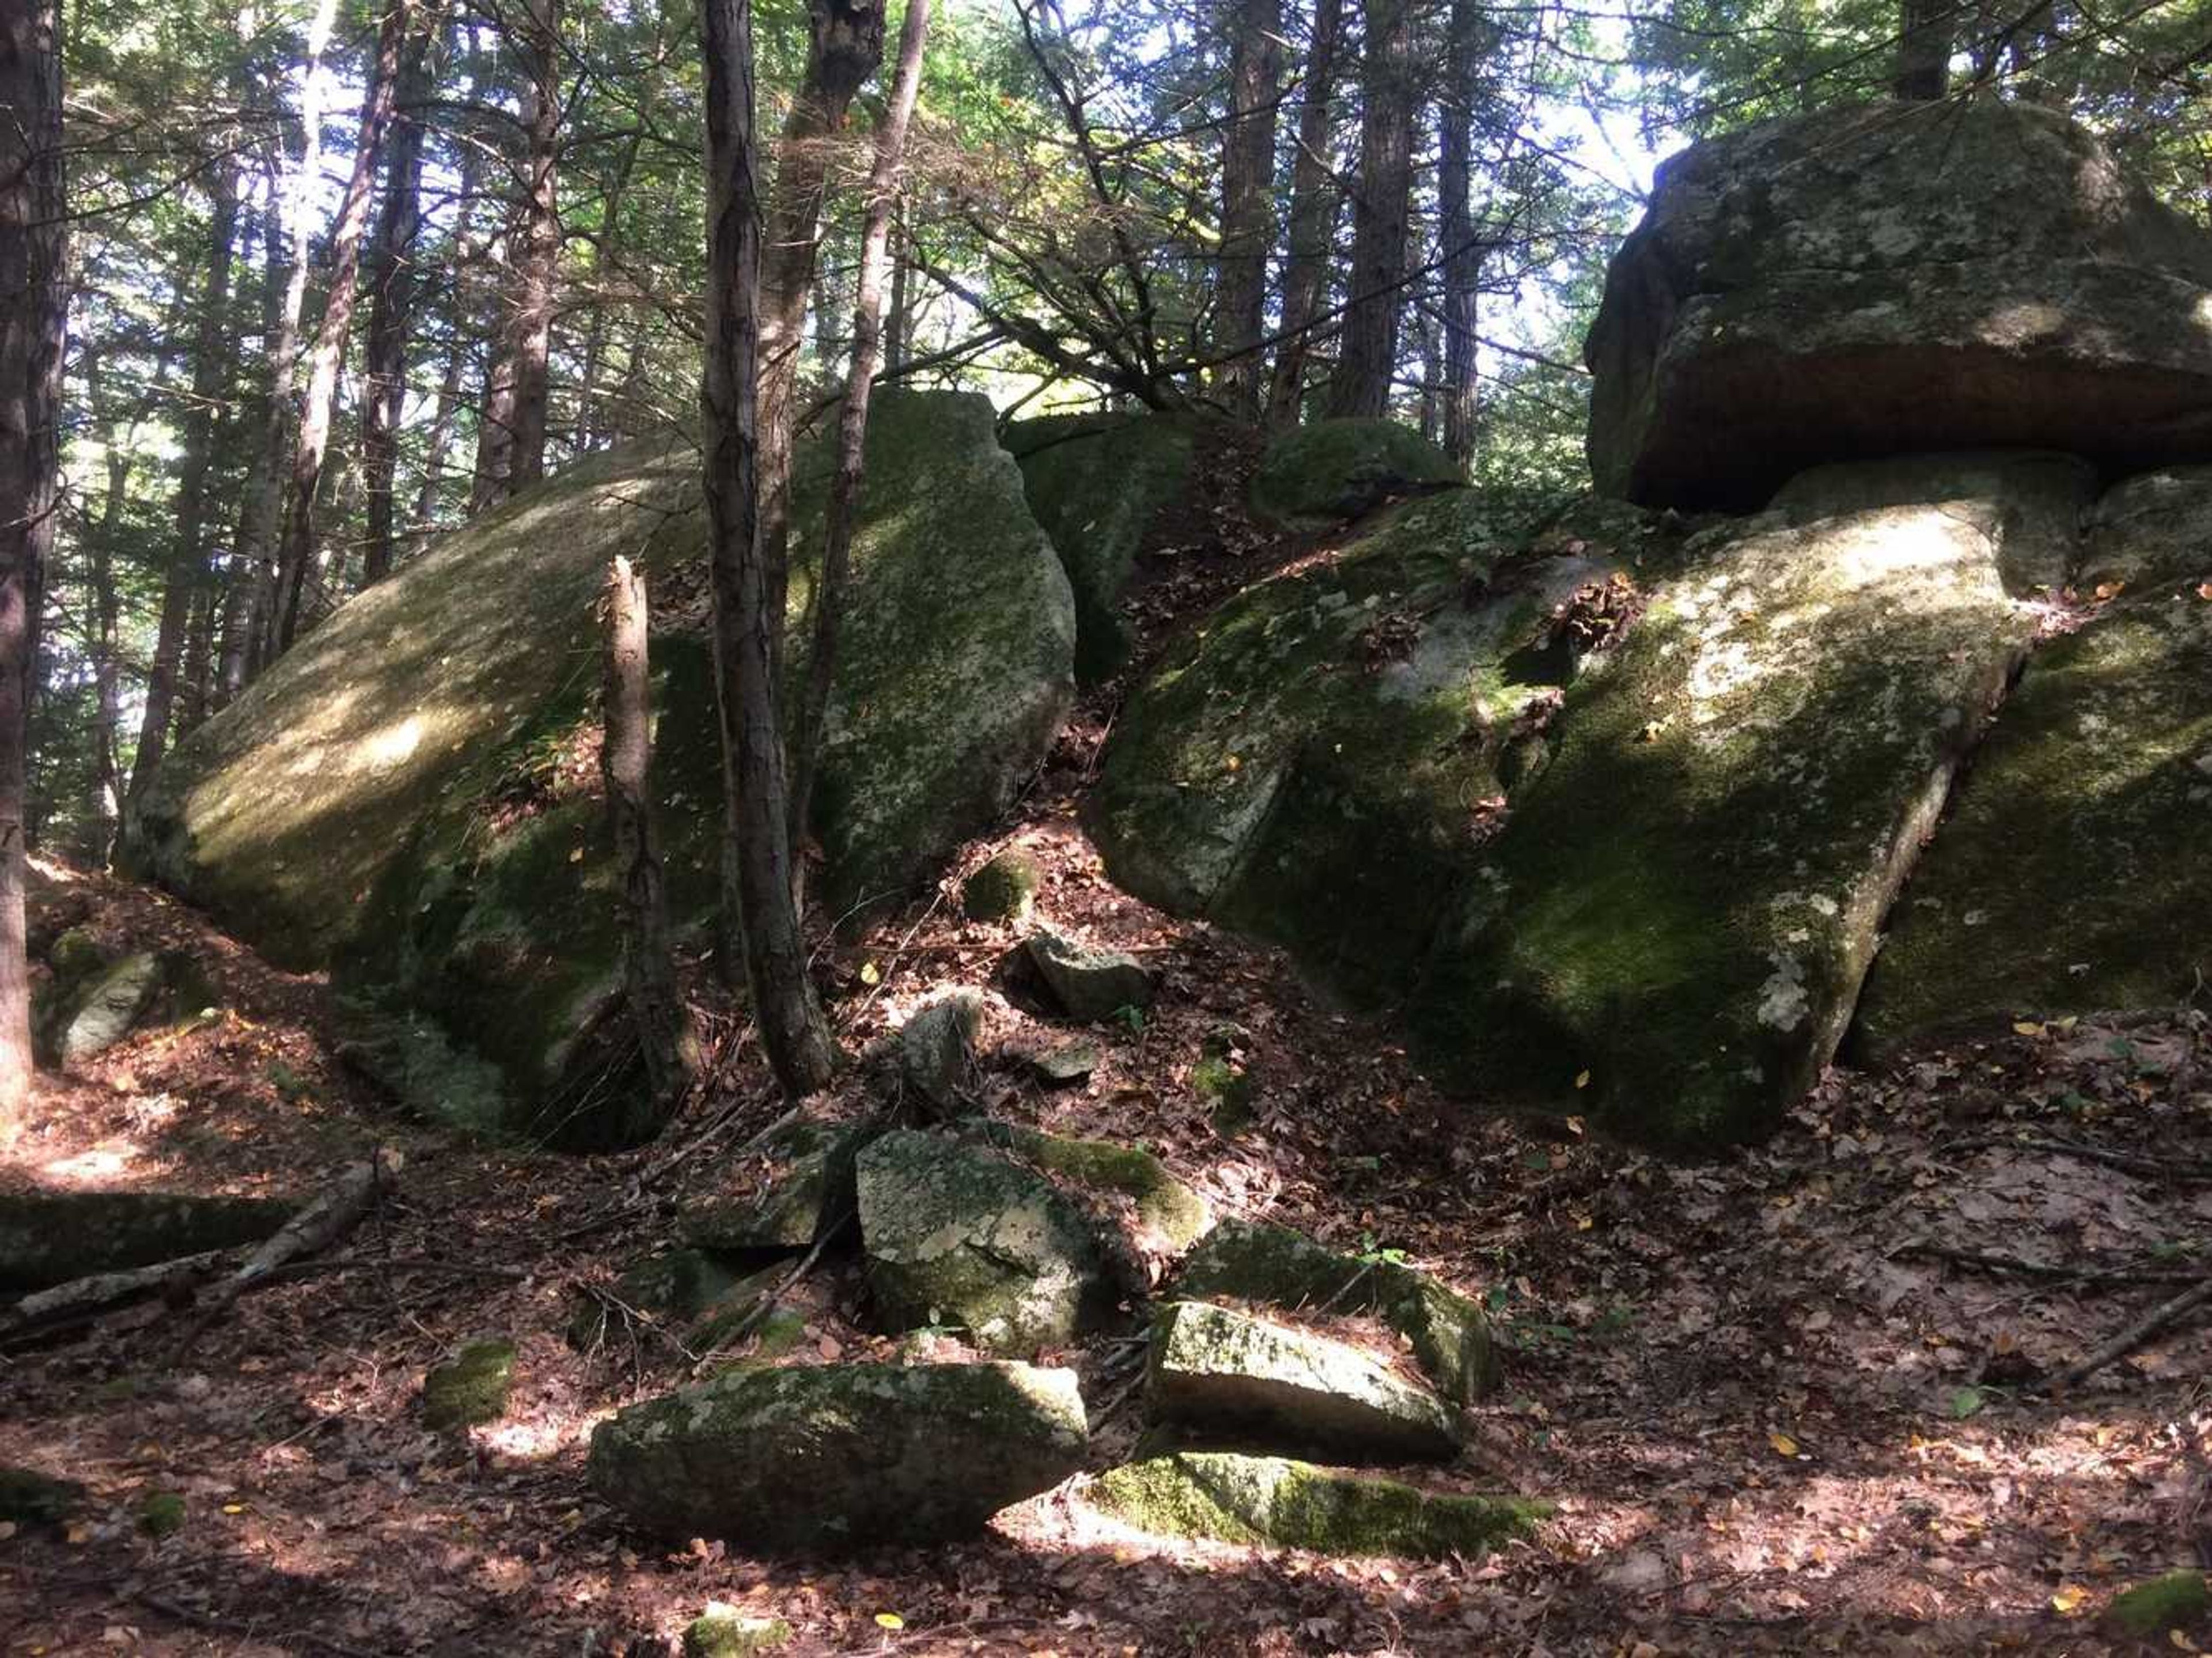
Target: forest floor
(1789,1401)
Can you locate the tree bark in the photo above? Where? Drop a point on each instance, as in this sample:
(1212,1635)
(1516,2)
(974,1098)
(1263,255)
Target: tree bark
(844,44)
(1247,194)
(1369,356)
(33,325)
(297,551)
(756,866)
(852,418)
(898,325)
(394,284)
(657,1011)
(511,433)
(1927,29)
(187,568)
(1312,219)
(1462,253)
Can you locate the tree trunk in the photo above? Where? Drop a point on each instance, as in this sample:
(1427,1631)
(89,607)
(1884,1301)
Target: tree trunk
(657,1011)
(195,689)
(511,442)
(607,253)
(757,862)
(1247,194)
(297,552)
(852,418)
(1927,30)
(898,326)
(393,283)
(1369,356)
(1313,219)
(188,560)
(33,324)
(1462,253)
(844,44)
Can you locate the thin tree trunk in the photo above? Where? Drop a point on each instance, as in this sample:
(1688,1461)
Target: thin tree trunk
(658,1012)
(195,689)
(297,552)
(606,253)
(898,326)
(844,44)
(1462,253)
(188,560)
(1247,194)
(1369,356)
(393,282)
(1312,220)
(852,418)
(757,865)
(1927,29)
(33,325)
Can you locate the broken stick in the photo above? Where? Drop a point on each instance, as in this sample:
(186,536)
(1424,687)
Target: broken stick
(2166,1313)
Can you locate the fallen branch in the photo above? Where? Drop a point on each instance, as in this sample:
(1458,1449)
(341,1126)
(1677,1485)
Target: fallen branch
(2132,1163)
(758,1316)
(2166,1313)
(85,1298)
(341,1208)
(1995,1263)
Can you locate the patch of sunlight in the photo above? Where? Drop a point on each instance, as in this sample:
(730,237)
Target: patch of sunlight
(2023,322)
(62,874)
(535,1437)
(91,1168)
(1896,540)
(381,750)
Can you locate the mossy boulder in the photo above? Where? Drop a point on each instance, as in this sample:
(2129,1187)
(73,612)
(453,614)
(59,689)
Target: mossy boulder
(2151,531)
(28,1497)
(2070,875)
(1165,1215)
(1215,1371)
(105,1007)
(1088,984)
(407,796)
(1003,891)
(1253,1500)
(781,1192)
(50,1237)
(672,1289)
(832,1457)
(74,956)
(937,1047)
(1099,484)
(723,1631)
(471,1387)
(2178,1601)
(1275,1267)
(955,1235)
(1330,471)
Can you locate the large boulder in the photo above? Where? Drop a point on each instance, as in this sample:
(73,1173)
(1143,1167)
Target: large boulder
(1870,279)
(837,1456)
(411,794)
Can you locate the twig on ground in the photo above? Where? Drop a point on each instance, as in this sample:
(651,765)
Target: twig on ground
(2133,1162)
(81,1300)
(767,1305)
(211,1622)
(1996,1263)
(2159,1317)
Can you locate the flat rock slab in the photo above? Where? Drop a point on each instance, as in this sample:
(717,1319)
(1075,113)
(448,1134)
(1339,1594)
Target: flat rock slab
(1214,1369)
(50,1237)
(1879,278)
(1272,1500)
(834,1456)
(1276,1266)
(1089,984)
(955,1235)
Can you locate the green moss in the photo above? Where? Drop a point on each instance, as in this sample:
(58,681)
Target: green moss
(1003,891)
(74,956)
(1325,473)
(28,1497)
(1253,1500)
(471,1387)
(161,1514)
(1229,1089)
(1170,1216)
(2175,1601)
(721,1631)
(674,1289)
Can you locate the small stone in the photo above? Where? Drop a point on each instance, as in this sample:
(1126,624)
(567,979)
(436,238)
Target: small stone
(28,1497)
(1068,1064)
(937,1047)
(1003,891)
(161,1514)
(1089,984)
(471,1387)
(723,1631)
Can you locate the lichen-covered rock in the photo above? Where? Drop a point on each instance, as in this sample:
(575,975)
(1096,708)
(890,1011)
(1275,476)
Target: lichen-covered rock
(2152,530)
(50,1237)
(783,1192)
(106,1008)
(834,1456)
(28,1497)
(1312,764)
(1235,1498)
(1275,1267)
(2070,875)
(1065,1064)
(1003,891)
(955,1235)
(1215,1370)
(1670,932)
(1088,984)
(471,1387)
(937,1047)
(1165,1216)
(1097,484)
(1867,280)
(1329,471)
(723,1631)
(406,795)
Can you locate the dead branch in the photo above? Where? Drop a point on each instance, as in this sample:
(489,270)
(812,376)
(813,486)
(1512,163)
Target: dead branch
(2159,1317)
(1996,1263)
(85,1298)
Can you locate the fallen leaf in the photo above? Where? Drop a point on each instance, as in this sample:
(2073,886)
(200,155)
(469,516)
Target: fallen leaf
(890,1620)
(1784,1445)
(2068,1600)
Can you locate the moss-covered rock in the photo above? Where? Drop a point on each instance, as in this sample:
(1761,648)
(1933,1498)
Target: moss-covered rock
(1097,484)
(407,796)
(50,1237)
(74,956)
(672,1289)
(2070,876)
(2152,530)
(1003,891)
(1326,473)
(1088,984)
(1220,1371)
(937,1047)
(471,1387)
(1275,1267)
(955,1235)
(1272,1500)
(831,1457)
(105,1008)
(1167,1215)
(723,1631)
(28,1497)
(783,1192)
(2178,1601)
